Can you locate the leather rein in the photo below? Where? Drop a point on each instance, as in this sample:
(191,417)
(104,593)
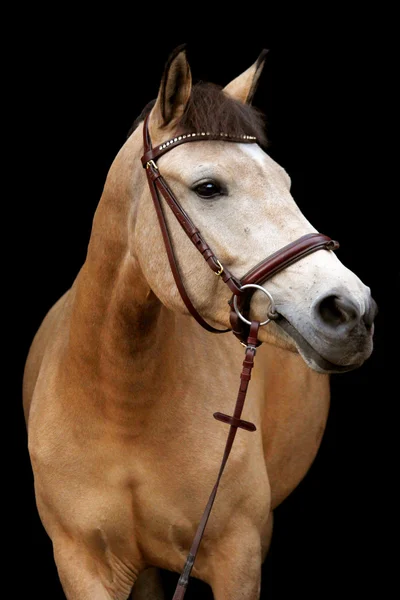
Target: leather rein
(245,329)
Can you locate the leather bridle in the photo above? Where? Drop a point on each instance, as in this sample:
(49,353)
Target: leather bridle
(245,329)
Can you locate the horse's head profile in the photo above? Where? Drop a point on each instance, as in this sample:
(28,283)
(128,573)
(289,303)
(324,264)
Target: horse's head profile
(239,198)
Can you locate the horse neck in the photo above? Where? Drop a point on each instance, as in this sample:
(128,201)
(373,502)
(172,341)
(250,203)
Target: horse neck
(129,350)
(117,323)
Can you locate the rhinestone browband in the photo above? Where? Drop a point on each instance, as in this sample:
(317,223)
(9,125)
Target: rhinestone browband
(158,151)
(215,136)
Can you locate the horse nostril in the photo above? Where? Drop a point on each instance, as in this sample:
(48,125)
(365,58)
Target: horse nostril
(370,314)
(336,310)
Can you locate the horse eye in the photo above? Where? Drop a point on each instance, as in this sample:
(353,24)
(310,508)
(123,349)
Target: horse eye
(208,189)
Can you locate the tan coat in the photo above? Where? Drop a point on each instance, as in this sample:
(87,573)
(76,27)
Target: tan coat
(120,384)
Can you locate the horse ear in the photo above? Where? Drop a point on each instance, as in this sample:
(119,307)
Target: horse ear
(174,92)
(244,86)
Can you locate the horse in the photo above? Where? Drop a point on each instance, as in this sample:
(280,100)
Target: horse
(120,383)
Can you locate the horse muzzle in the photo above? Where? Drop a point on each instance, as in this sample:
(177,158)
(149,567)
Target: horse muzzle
(336,336)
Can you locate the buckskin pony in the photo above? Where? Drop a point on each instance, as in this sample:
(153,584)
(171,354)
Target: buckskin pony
(121,383)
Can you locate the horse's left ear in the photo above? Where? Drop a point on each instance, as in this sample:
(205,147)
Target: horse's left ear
(243,87)
(174,92)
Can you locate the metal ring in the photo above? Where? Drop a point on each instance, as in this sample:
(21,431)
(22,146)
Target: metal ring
(272,308)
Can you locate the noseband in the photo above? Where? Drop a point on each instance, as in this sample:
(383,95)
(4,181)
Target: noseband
(245,329)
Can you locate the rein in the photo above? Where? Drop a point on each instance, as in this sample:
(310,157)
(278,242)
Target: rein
(245,329)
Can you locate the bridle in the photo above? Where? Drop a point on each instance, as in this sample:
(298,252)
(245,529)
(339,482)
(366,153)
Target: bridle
(245,329)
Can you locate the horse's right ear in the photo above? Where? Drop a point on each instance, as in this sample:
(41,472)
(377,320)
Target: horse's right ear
(244,86)
(174,92)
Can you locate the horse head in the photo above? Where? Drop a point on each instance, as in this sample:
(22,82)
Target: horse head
(239,198)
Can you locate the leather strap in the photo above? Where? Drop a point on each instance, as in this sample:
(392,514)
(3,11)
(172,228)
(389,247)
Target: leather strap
(171,256)
(245,377)
(289,254)
(154,153)
(158,185)
(190,229)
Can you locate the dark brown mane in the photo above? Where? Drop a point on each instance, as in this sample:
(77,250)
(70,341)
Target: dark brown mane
(210,110)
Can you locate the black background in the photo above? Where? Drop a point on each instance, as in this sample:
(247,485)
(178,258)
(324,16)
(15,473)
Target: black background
(77,90)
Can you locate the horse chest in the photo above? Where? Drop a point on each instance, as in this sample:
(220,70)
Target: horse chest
(168,504)
(151,490)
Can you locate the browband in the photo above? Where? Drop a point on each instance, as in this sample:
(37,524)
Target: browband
(154,153)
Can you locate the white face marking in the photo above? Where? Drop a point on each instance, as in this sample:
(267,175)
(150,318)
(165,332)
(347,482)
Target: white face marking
(254,152)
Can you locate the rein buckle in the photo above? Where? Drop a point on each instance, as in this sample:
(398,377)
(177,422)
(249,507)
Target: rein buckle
(221,268)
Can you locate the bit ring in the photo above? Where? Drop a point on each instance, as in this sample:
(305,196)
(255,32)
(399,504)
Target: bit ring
(272,308)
